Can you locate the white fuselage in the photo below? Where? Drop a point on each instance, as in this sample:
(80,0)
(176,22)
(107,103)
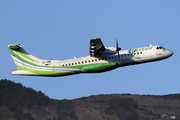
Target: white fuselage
(127,57)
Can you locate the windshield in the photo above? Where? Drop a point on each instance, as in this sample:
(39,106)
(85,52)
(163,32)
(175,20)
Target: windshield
(160,47)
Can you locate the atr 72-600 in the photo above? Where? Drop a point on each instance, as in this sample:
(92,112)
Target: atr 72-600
(101,59)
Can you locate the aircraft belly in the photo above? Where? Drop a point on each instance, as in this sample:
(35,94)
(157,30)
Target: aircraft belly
(99,67)
(57,72)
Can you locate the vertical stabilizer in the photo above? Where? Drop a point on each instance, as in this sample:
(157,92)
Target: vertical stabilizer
(21,58)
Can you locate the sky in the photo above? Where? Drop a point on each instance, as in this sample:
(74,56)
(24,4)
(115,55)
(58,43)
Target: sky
(62,29)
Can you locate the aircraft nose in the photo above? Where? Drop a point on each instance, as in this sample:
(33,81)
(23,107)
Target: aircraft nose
(171,53)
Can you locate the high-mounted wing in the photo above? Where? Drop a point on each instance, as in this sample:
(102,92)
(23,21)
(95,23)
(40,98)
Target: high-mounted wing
(96,46)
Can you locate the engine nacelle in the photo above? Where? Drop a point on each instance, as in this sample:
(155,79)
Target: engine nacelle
(97,48)
(108,51)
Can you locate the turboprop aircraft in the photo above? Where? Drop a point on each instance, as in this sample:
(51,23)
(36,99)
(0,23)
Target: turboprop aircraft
(101,59)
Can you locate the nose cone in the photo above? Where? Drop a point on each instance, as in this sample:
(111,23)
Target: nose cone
(171,53)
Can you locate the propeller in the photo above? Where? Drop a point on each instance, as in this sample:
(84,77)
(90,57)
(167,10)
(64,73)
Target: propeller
(117,48)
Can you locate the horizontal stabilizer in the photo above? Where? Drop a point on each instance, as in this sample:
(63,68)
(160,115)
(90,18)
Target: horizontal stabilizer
(21,72)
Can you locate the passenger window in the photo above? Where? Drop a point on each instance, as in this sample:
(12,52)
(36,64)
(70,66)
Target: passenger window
(99,59)
(72,63)
(134,53)
(125,55)
(95,59)
(109,58)
(89,61)
(82,62)
(66,64)
(102,58)
(105,58)
(137,52)
(78,62)
(141,52)
(121,55)
(85,61)
(63,65)
(69,64)
(92,60)
(131,54)
(112,57)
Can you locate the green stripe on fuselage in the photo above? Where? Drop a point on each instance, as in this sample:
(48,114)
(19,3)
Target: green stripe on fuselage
(89,68)
(49,73)
(165,49)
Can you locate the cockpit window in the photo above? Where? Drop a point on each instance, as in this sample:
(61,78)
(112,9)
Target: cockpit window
(160,47)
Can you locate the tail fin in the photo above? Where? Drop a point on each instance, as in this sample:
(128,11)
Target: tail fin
(21,57)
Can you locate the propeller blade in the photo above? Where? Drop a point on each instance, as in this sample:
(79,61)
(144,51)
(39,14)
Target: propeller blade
(116,45)
(117,48)
(118,56)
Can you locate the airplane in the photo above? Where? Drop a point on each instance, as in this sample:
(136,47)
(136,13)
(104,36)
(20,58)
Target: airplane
(100,59)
